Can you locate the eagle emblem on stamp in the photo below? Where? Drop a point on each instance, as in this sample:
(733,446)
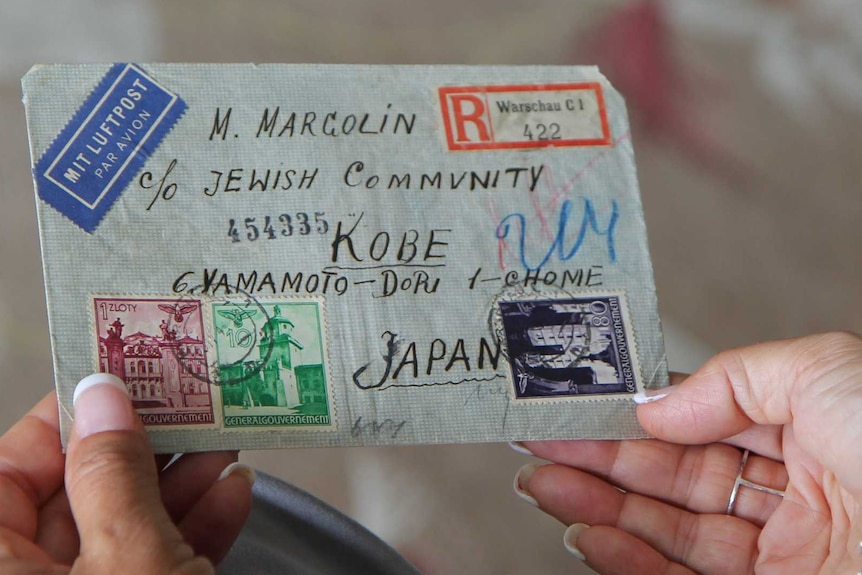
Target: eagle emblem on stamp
(157,347)
(569,347)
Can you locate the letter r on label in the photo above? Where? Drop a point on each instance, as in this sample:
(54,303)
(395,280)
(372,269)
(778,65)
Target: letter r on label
(469,108)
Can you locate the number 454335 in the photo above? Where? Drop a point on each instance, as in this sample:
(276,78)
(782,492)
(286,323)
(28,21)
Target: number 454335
(285,225)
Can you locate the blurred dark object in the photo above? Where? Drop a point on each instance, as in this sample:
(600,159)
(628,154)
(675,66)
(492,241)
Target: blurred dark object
(291,532)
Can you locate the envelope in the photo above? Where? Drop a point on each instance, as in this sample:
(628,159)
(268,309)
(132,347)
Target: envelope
(327,255)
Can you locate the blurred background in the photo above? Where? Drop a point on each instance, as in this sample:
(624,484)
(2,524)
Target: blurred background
(747,126)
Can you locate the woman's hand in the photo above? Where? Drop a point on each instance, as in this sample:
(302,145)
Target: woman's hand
(661,506)
(105,507)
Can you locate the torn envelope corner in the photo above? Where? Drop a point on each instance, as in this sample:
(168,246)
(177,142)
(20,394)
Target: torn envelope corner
(357,255)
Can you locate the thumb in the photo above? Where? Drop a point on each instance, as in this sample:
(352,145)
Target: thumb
(813,384)
(112,484)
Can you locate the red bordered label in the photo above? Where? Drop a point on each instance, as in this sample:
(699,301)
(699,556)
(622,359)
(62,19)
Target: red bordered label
(524,116)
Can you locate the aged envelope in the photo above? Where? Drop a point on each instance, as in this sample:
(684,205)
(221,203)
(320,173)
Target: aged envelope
(307,255)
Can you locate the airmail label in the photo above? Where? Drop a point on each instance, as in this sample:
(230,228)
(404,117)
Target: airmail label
(104,145)
(524,116)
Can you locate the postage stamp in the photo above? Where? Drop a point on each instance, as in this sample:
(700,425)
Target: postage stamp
(103,146)
(273,368)
(158,348)
(524,116)
(569,347)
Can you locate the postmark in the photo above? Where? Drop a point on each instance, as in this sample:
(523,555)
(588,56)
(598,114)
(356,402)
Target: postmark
(106,142)
(157,346)
(242,305)
(524,116)
(273,365)
(569,346)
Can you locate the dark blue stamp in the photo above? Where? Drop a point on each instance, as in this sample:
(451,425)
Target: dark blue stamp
(569,347)
(93,159)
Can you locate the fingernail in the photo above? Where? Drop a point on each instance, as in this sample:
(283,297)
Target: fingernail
(241,469)
(522,477)
(570,539)
(102,403)
(650,395)
(519,447)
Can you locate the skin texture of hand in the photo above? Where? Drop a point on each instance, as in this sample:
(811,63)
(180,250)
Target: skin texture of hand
(659,506)
(105,508)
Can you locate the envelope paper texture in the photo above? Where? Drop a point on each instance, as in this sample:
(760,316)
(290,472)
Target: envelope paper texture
(306,255)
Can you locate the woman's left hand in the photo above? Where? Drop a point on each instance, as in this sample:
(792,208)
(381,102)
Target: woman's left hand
(108,506)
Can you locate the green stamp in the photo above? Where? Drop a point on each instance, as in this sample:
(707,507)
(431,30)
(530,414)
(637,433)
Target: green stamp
(272,364)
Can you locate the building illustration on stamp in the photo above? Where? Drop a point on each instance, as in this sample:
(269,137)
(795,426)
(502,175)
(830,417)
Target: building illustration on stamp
(271,364)
(156,347)
(568,347)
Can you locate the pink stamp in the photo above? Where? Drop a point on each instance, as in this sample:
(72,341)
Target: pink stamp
(157,347)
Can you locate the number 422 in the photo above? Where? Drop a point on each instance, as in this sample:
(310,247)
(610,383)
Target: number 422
(542,131)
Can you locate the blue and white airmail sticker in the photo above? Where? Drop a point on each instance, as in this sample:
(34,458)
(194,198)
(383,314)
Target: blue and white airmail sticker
(93,159)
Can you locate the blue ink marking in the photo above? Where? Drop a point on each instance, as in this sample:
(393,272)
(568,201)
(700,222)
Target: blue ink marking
(589,221)
(107,141)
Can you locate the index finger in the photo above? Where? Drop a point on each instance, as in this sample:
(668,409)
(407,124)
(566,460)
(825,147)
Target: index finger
(31,466)
(813,383)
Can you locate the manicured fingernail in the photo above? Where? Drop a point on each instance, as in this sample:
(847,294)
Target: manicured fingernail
(650,395)
(102,403)
(521,479)
(570,539)
(241,469)
(520,448)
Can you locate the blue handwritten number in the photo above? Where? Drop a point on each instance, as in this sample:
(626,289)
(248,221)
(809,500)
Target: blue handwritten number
(589,221)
